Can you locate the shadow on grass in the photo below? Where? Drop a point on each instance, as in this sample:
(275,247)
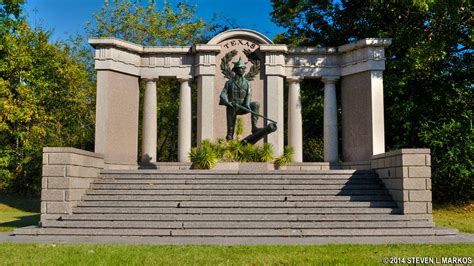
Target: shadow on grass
(21,221)
(23,203)
(18,211)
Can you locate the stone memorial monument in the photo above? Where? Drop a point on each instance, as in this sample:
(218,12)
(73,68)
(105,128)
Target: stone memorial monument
(356,67)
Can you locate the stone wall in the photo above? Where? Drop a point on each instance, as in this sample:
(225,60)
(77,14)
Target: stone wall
(67,174)
(406,174)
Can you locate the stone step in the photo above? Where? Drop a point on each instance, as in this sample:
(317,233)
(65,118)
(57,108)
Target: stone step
(233,225)
(99,195)
(152,210)
(151,172)
(245,178)
(234,204)
(223,192)
(236,187)
(204,173)
(240,217)
(183,181)
(228,232)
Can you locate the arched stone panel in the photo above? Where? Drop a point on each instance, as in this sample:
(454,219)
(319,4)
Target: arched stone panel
(240,33)
(238,40)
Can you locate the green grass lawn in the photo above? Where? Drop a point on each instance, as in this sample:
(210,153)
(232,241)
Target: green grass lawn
(18,211)
(46,254)
(461,218)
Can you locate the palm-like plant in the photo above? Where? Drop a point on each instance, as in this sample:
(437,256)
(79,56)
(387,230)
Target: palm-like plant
(285,158)
(203,157)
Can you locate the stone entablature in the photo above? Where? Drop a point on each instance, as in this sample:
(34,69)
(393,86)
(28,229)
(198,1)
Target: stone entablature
(189,61)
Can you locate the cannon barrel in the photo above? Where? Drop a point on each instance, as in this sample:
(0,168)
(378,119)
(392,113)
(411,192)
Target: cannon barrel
(260,134)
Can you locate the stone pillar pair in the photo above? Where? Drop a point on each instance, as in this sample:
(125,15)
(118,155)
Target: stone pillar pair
(149,129)
(295,126)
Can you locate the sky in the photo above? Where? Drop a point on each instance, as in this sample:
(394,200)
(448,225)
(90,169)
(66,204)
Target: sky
(66,17)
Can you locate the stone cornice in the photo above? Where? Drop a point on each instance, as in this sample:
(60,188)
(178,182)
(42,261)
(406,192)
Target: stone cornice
(274,48)
(368,42)
(102,42)
(111,42)
(312,50)
(206,48)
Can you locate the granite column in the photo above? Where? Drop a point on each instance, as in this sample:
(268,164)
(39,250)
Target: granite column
(184,126)
(330,120)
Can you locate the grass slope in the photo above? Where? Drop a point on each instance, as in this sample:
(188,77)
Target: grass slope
(16,211)
(461,218)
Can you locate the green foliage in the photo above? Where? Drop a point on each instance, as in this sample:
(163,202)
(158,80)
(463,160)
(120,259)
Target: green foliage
(312,98)
(250,153)
(234,151)
(46,99)
(220,148)
(313,150)
(237,152)
(204,156)
(286,158)
(451,159)
(427,81)
(239,127)
(149,24)
(10,15)
(208,154)
(265,153)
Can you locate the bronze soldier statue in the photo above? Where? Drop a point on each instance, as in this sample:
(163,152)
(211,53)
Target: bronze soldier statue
(236,96)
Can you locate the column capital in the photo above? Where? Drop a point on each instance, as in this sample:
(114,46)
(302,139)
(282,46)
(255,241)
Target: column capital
(330,79)
(296,79)
(184,79)
(146,79)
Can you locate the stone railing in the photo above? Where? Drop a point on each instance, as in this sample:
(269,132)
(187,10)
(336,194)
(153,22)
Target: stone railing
(406,174)
(67,174)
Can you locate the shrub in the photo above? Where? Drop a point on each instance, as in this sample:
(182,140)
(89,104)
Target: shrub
(452,151)
(250,153)
(313,150)
(208,154)
(239,128)
(203,157)
(265,153)
(285,158)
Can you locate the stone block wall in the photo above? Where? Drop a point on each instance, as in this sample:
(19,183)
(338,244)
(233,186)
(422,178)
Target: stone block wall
(406,173)
(67,174)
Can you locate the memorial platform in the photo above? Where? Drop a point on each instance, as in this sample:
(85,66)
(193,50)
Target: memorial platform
(242,203)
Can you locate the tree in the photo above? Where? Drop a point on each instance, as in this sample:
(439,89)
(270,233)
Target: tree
(428,99)
(147,24)
(45,100)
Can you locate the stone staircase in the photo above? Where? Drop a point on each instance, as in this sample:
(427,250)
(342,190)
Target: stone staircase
(193,203)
